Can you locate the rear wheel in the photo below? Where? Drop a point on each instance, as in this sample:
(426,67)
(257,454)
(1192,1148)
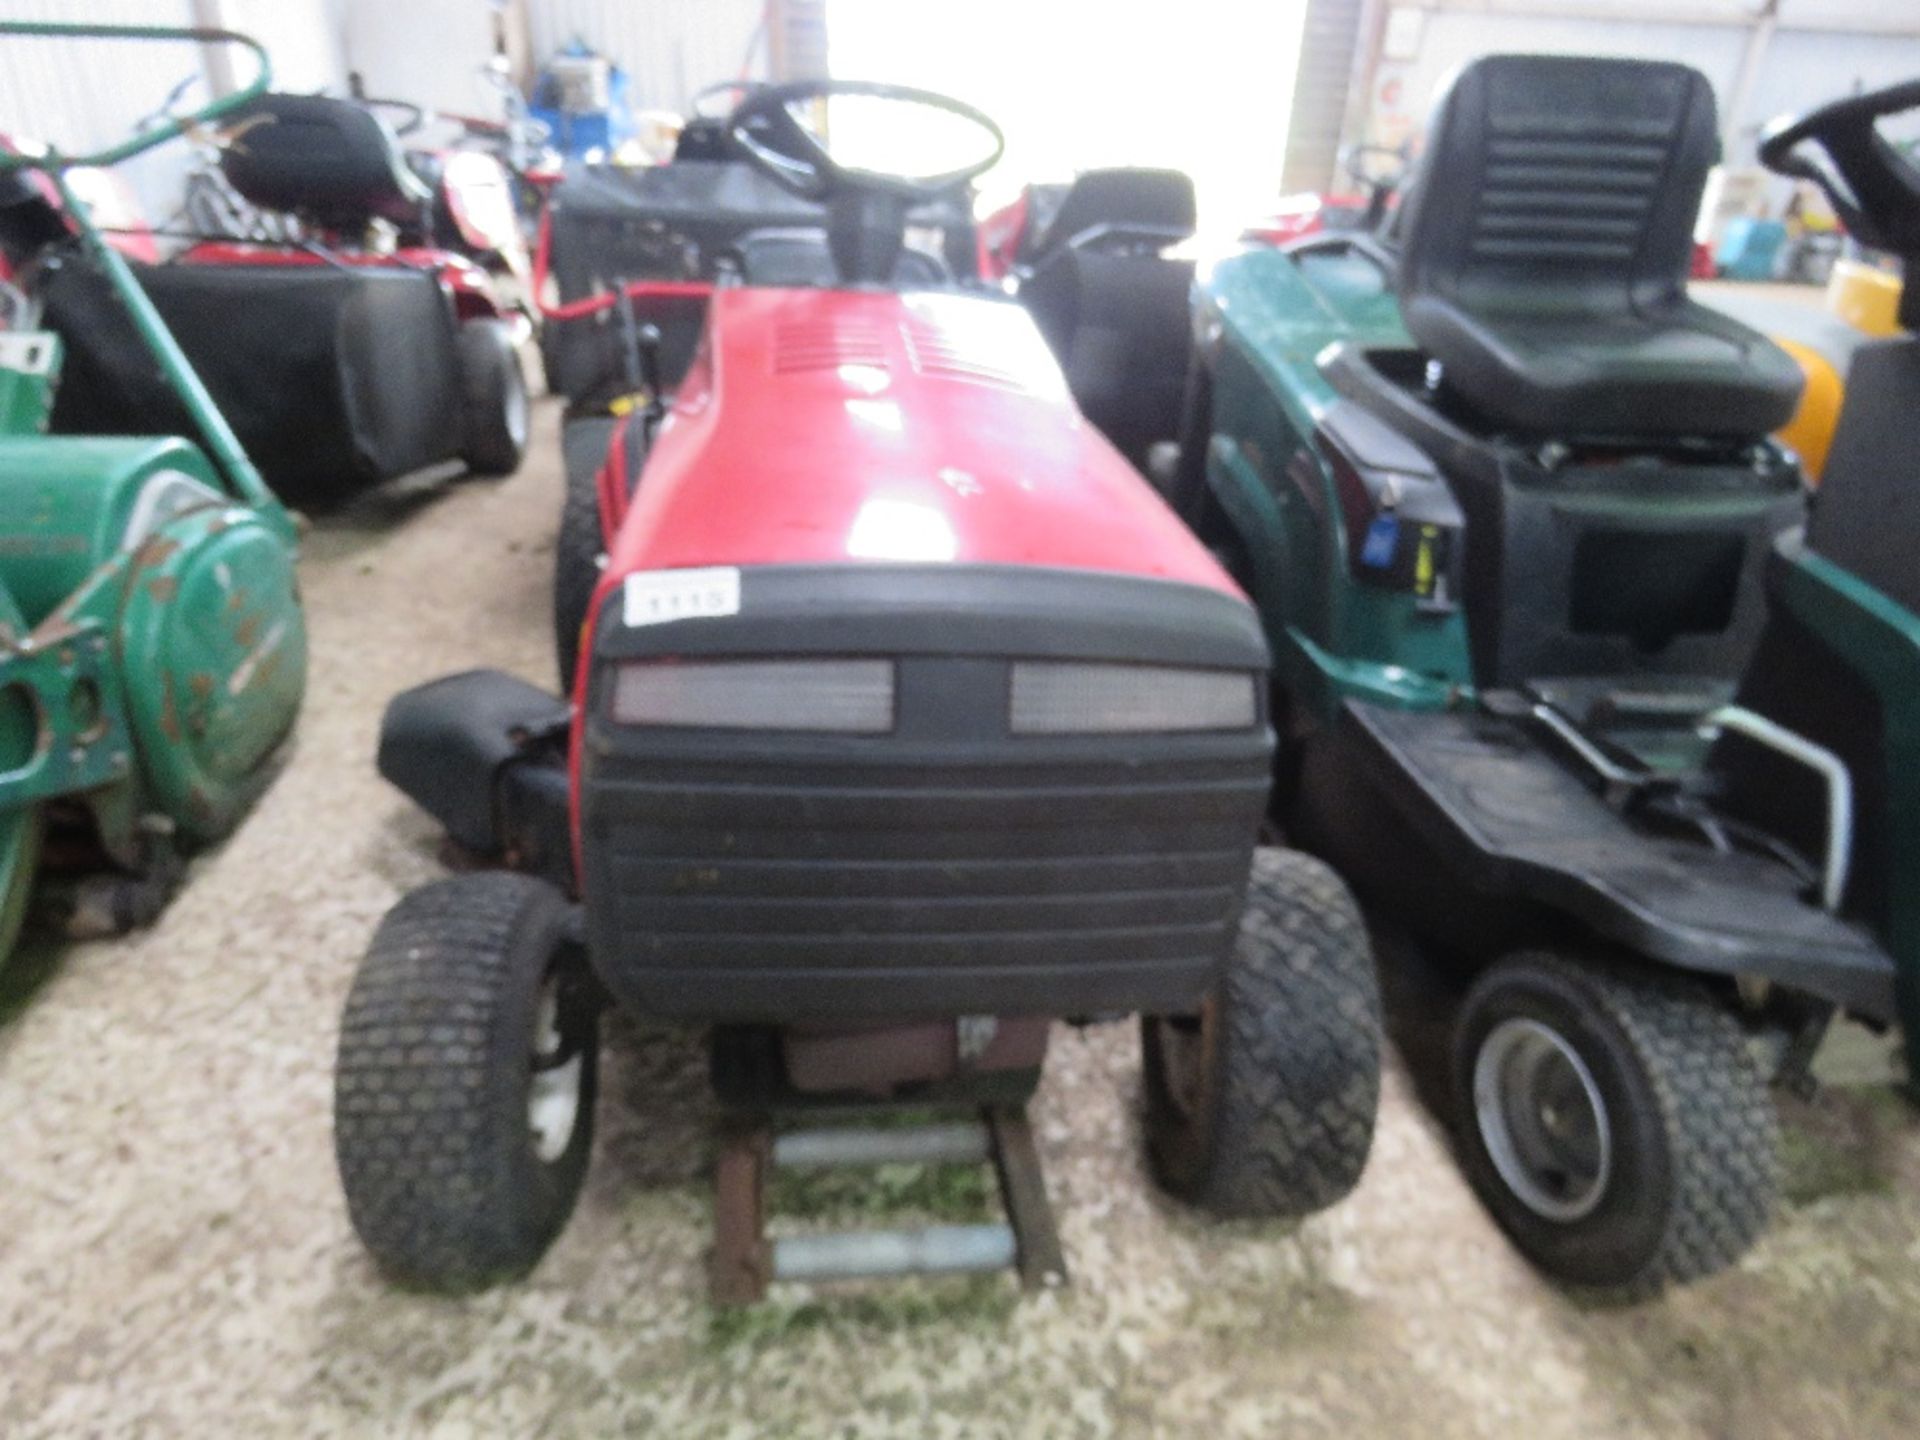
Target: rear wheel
(1263,1103)
(579,546)
(495,410)
(20,835)
(1613,1121)
(463,1096)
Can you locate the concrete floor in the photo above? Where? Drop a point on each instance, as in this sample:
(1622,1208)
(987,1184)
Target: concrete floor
(175,1257)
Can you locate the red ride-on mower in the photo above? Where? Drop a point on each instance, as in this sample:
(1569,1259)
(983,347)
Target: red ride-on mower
(343,360)
(908,721)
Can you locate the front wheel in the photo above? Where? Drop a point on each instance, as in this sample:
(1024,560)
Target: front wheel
(579,550)
(1613,1121)
(494,408)
(463,1093)
(1263,1103)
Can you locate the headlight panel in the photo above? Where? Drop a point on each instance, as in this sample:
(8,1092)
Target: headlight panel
(1076,697)
(829,695)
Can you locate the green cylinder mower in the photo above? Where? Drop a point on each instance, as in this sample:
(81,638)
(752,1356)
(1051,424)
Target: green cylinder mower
(152,643)
(1583,697)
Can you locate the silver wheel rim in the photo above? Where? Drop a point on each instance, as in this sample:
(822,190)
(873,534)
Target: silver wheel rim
(516,410)
(1542,1119)
(553,1096)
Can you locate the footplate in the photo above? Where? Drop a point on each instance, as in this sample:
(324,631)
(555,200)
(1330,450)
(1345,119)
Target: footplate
(744,1261)
(1514,824)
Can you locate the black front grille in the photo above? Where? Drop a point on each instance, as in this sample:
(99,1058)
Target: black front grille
(948,867)
(726,887)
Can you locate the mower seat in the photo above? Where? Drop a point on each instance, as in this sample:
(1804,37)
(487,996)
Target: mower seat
(1118,325)
(1545,245)
(1123,196)
(329,161)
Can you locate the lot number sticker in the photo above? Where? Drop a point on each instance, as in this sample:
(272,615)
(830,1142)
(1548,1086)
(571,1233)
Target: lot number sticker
(654,597)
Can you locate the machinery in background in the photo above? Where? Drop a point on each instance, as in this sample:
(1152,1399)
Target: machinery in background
(1506,501)
(152,644)
(341,359)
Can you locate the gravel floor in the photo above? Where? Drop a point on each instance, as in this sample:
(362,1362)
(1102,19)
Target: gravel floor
(175,1257)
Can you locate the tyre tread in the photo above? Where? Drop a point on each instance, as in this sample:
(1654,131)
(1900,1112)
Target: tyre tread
(1298,1084)
(420,1149)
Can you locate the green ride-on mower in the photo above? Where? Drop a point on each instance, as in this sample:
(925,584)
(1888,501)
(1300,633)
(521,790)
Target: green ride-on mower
(152,645)
(1567,696)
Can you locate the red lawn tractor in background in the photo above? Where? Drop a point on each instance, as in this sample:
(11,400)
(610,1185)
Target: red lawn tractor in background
(341,359)
(907,720)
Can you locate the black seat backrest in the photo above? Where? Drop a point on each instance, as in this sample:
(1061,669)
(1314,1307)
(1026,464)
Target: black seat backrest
(1158,199)
(1558,185)
(1119,326)
(329,161)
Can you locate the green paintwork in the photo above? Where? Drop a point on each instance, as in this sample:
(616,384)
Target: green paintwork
(152,643)
(20,819)
(1264,319)
(1880,641)
(29,371)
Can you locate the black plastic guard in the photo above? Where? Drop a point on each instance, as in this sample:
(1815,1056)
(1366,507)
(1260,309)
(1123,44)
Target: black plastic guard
(1506,822)
(476,752)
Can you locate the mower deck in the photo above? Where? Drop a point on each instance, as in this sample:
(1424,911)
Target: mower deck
(1518,826)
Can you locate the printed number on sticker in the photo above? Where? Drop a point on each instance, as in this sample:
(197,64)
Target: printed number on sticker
(654,597)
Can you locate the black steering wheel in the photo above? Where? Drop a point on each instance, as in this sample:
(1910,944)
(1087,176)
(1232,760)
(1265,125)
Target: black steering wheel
(410,117)
(781,147)
(1874,189)
(738,90)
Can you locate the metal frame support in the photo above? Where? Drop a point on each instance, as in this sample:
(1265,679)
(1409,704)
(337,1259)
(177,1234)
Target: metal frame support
(744,1262)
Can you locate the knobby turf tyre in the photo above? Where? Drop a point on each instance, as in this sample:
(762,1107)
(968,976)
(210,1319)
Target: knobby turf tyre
(1264,1105)
(444,1177)
(494,406)
(1692,1167)
(577,548)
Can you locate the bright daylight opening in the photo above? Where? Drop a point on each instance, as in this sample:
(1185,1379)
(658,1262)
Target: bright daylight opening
(1080,83)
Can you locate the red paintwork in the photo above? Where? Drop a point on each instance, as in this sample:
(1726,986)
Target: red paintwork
(610,486)
(1298,216)
(833,427)
(110,201)
(998,236)
(594,304)
(470,286)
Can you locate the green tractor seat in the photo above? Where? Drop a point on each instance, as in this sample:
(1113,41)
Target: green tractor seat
(1544,249)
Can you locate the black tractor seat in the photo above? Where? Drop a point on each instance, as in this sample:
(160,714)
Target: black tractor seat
(1544,256)
(1131,196)
(329,161)
(1112,305)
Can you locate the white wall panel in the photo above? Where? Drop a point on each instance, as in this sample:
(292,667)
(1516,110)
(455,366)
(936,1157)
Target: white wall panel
(1805,64)
(304,39)
(427,51)
(83,94)
(669,48)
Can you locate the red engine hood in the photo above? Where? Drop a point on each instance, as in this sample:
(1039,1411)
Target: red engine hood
(835,427)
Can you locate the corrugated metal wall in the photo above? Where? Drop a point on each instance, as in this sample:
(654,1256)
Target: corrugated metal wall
(80,95)
(1329,40)
(1823,49)
(669,48)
